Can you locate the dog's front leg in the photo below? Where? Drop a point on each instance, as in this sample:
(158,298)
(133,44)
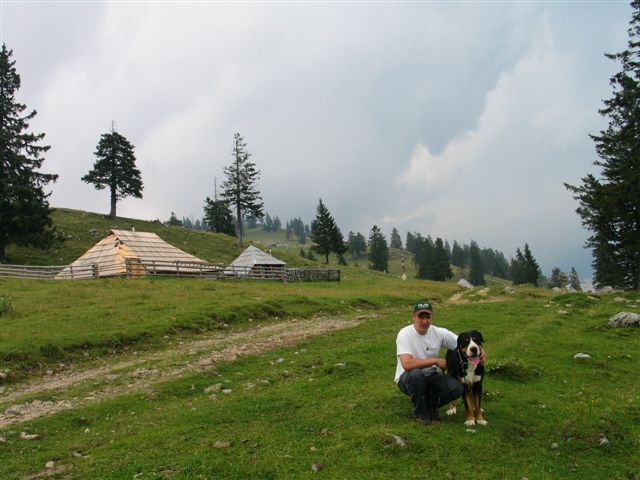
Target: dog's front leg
(469,403)
(477,390)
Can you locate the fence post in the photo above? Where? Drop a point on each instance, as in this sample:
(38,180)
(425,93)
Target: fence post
(94,270)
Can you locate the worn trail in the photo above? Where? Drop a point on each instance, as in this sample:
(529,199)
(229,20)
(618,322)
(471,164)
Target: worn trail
(134,374)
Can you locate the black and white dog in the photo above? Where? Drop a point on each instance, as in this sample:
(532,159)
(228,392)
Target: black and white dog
(463,363)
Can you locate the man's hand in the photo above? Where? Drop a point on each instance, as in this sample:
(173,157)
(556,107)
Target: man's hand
(483,357)
(442,363)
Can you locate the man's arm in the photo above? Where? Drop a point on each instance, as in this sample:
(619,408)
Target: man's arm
(409,363)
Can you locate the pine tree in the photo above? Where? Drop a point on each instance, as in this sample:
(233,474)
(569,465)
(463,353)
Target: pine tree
(441,267)
(115,168)
(558,278)
(409,243)
(423,257)
(396,241)
(574,280)
(268,223)
(517,268)
(252,221)
(325,234)
(239,188)
(378,250)
(531,268)
(524,268)
(300,229)
(357,244)
(218,217)
(610,207)
(457,255)
(173,221)
(24,206)
(476,267)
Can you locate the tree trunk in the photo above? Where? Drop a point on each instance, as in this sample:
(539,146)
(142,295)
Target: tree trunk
(326,255)
(112,213)
(239,224)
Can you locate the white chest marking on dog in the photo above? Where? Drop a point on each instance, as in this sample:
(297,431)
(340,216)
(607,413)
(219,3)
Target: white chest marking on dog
(471,376)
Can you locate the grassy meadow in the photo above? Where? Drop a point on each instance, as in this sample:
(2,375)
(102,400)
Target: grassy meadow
(326,407)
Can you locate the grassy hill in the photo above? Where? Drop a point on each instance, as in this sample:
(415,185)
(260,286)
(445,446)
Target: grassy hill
(81,230)
(327,401)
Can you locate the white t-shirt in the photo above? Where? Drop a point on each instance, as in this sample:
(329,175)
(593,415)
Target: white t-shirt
(423,346)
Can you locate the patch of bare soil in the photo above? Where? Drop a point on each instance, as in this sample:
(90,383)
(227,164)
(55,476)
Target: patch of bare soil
(165,365)
(457,298)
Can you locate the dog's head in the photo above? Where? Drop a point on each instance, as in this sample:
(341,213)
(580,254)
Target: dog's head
(470,343)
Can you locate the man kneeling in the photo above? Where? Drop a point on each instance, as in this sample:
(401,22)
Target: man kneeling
(418,349)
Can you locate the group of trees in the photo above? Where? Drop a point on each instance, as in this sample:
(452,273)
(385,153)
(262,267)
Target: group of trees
(271,224)
(297,228)
(525,268)
(559,279)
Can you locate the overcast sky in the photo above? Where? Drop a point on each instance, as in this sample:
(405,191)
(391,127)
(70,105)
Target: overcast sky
(457,120)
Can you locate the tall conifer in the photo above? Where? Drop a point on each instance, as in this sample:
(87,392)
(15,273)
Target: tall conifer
(24,205)
(610,206)
(115,169)
(239,188)
(326,235)
(378,250)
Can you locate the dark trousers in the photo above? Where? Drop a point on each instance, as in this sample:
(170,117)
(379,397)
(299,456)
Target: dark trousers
(429,392)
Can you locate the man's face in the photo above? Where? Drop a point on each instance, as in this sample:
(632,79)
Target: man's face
(422,321)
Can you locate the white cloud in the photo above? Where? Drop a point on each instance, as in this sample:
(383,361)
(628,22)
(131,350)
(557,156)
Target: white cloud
(502,182)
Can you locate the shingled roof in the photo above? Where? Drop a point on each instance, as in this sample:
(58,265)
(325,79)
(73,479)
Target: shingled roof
(253,256)
(108,256)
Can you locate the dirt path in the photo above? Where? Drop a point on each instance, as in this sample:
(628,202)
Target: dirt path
(123,377)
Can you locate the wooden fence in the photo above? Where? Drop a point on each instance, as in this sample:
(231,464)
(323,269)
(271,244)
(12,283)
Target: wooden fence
(137,268)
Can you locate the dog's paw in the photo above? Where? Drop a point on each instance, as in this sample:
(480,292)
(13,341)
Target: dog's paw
(482,422)
(470,423)
(452,411)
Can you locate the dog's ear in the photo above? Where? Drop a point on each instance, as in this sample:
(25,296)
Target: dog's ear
(463,339)
(478,335)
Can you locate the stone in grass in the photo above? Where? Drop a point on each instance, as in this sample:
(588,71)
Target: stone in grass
(316,467)
(213,388)
(603,441)
(29,436)
(221,444)
(555,446)
(49,465)
(582,355)
(2,439)
(625,319)
(401,442)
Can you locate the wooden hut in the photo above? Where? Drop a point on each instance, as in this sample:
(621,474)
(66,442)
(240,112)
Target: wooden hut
(255,263)
(133,254)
